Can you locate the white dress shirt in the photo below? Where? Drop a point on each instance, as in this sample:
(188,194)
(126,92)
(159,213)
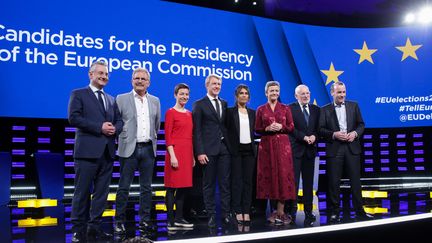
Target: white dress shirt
(143,118)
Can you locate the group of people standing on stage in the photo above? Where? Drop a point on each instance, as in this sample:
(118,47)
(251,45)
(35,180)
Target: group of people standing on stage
(219,138)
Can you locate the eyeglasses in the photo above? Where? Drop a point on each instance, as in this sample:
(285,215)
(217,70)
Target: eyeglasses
(101,73)
(142,79)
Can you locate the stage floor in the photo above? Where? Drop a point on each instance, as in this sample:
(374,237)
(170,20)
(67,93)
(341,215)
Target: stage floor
(387,207)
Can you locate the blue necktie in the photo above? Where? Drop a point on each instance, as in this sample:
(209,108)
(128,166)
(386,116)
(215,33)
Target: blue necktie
(306,114)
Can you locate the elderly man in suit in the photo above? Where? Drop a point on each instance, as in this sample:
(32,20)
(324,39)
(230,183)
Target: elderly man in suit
(140,115)
(341,124)
(303,143)
(211,148)
(92,112)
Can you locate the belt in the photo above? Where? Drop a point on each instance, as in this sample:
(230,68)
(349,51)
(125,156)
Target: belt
(140,144)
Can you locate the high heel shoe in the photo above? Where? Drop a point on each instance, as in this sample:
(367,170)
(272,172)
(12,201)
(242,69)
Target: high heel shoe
(246,220)
(239,218)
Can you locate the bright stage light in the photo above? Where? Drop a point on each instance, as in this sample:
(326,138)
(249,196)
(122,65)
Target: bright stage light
(425,15)
(410,18)
(422,16)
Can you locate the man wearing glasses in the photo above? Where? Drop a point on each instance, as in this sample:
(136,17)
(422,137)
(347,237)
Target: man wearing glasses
(140,118)
(92,112)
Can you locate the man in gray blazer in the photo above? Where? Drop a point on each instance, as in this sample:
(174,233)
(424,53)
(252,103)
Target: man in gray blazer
(140,115)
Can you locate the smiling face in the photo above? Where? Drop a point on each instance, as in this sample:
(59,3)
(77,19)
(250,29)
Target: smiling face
(242,97)
(338,92)
(273,93)
(98,76)
(182,96)
(302,94)
(213,86)
(140,82)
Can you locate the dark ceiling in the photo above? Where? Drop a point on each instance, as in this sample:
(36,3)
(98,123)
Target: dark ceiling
(340,13)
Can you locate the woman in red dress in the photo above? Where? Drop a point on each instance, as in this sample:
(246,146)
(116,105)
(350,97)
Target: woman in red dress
(179,157)
(275,173)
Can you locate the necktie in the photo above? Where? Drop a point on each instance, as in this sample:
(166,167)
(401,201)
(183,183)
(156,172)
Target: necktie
(99,92)
(217,108)
(306,114)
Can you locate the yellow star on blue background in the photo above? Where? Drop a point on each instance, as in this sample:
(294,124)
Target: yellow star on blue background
(409,50)
(365,53)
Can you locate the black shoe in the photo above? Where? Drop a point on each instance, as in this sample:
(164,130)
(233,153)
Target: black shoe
(202,214)
(172,227)
(212,222)
(293,217)
(310,216)
(247,223)
(363,216)
(98,234)
(119,228)
(79,237)
(183,223)
(239,221)
(146,226)
(334,219)
(226,220)
(308,222)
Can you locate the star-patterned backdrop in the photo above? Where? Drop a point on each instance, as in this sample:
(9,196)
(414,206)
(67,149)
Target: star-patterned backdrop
(386,70)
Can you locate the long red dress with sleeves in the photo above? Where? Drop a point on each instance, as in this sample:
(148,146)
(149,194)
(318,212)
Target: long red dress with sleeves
(178,133)
(275,173)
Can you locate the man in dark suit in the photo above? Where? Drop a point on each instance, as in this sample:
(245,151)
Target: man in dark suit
(211,148)
(341,124)
(92,112)
(303,143)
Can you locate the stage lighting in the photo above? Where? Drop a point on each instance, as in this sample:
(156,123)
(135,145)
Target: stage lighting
(425,15)
(410,18)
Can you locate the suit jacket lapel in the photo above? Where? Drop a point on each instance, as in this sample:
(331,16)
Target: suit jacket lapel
(349,117)
(298,110)
(236,120)
(212,108)
(95,100)
(132,103)
(151,112)
(334,116)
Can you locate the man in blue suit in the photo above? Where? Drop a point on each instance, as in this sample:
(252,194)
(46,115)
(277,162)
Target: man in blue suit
(303,143)
(341,125)
(92,112)
(211,148)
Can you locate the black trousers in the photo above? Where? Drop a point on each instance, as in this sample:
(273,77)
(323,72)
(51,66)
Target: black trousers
(304,167)
(242,170)
(344,160)
(175,196)
(92,176)
(218,168)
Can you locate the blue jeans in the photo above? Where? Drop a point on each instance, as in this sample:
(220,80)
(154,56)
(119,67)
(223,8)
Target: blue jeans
(142,159)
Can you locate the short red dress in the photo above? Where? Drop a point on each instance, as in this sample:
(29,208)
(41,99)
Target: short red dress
(178,133)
